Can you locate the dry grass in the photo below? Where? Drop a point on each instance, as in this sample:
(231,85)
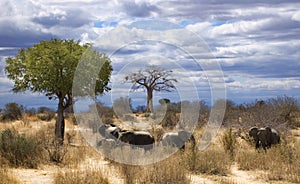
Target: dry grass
(90,176)
(169,171)
(226,181)
(280,162)
(6,177)
(212,161)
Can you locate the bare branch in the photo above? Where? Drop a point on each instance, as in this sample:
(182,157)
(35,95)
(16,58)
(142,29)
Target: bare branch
(152,78)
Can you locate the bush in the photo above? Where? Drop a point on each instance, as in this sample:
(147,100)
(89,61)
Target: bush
(12,112)
(90,176)
(228,141)
(19,150)
(31,111)
(170,120)
(46,116)
(56,152)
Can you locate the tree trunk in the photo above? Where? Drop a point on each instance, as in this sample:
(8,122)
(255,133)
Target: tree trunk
(149,108)
(60,123)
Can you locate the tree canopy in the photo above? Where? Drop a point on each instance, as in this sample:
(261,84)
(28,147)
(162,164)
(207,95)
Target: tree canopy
(49,67)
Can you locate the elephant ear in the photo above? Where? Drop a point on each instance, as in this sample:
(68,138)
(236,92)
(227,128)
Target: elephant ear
(253,131)
(184,135)
(101,130)
(268,129)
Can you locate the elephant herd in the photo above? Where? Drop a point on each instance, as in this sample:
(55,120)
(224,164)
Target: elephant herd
(114,135)
(264,137)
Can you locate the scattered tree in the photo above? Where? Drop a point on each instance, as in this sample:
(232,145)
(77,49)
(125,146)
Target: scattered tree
(153,78)
(49,67)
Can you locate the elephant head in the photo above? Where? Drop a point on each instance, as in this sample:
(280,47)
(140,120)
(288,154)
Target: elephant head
(265,137)
(275,137)
(187,136)
(178,139)
(253,133)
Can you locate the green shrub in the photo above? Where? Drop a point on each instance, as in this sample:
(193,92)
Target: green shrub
(229,143)
(19,150)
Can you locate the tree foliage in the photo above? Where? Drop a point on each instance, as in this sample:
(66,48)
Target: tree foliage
(49,67)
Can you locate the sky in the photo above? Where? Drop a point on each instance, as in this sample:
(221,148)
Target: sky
(253,46)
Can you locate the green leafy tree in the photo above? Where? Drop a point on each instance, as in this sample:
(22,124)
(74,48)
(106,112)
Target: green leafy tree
(49,67)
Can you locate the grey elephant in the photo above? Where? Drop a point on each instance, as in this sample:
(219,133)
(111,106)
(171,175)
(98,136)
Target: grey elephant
(178,139)
(140,139)
(264,137)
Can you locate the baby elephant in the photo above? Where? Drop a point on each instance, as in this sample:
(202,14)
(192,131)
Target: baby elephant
(264,137)
(178,139)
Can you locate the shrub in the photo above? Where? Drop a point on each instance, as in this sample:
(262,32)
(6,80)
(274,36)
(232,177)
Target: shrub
(19,150)
(31,111)
(45,114)
(56,152)
(90,176)
(170,120)
(228,141)
(12,112)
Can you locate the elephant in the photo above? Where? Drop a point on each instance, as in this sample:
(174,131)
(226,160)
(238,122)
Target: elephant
(107,142)
(139,138)
(264,137)
(109,131)
(178,139)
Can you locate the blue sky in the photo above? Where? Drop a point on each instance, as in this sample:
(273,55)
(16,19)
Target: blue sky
(256,43)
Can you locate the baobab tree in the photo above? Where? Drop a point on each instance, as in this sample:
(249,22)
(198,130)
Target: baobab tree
(152,78)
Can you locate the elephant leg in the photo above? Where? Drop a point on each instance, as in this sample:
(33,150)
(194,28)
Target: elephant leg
(257,144)
(264,145)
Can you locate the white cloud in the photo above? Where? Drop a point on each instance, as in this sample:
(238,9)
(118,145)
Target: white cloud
(249,39)
(296,16)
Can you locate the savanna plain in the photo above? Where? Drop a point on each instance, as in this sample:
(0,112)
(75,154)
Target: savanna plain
(28,153)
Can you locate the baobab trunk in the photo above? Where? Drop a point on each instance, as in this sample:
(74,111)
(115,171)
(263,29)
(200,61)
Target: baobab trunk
(60,124)
(149,108)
